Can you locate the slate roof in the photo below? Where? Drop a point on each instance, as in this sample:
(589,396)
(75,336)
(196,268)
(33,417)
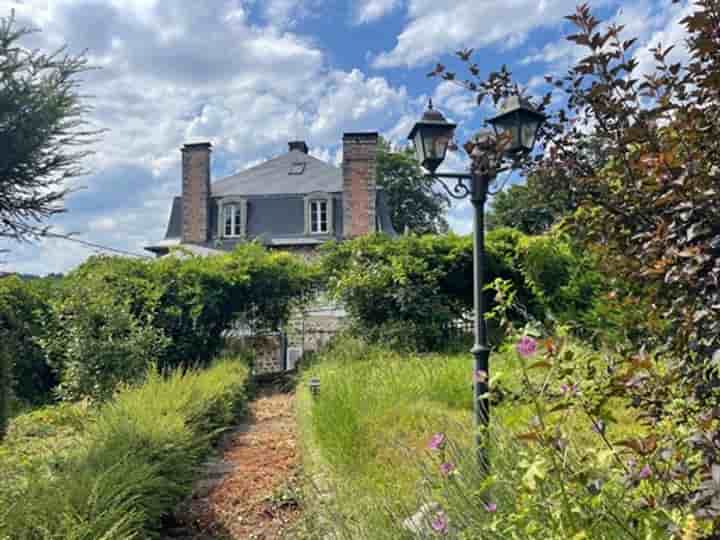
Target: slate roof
(272,177)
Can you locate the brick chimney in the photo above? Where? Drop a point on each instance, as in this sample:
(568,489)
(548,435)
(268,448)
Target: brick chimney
(359,167)
(196,193)
(300,146)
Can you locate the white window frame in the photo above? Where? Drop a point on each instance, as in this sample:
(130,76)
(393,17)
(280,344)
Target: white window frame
(317,224)
(238,217)
(313,209)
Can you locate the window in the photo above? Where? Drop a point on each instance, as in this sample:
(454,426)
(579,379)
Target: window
(233,220)
(319,213)
(297,167)
(319,216)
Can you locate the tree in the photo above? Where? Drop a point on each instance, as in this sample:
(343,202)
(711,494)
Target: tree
(541,202)
(650,206)
(41,127)
(525,207)
(414,205)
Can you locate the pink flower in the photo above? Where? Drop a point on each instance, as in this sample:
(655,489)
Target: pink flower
(526,346)
(490,507)
(447,468)
(439,523)
(437,442)
(645,472)
(481,376)
(569,389)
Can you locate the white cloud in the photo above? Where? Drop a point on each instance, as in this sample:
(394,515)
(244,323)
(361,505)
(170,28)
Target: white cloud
(650,22)
(454,100)
(177,73)
(436,28)
(371,10)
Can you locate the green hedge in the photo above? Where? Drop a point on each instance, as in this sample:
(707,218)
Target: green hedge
(74,472)
(106,321)
(406,292)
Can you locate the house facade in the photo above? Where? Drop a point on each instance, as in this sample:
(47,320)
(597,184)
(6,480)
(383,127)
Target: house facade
(293,201)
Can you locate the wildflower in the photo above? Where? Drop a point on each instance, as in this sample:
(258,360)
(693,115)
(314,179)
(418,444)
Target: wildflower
(490,507)
(481,376)
(437,442)
(569,389)
(645,472)
(526,346)
(447,469)
(439,523)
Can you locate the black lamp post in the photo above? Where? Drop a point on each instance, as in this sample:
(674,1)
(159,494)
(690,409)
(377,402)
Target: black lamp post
(516,128)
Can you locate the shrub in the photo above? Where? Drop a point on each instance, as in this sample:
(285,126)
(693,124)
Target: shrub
(108,320)
(410,291)
(192,300)
(4,385)
(127,465)
(95,343)
(23,308)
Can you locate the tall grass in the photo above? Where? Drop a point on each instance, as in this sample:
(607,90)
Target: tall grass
(114,473)
(366,437)
(4,387)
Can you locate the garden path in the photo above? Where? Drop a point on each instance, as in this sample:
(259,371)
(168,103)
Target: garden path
(246,492)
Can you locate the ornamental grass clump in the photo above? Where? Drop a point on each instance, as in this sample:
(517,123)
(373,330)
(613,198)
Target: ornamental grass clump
(126,466)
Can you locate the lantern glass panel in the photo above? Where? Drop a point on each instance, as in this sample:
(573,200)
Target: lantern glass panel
(508,131)
(439,140)
(419,146)
(529,131)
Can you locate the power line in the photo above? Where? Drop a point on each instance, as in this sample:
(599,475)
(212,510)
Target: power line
(93,245)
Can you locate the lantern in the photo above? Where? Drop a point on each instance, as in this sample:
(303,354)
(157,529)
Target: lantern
(431,137)
(518,123)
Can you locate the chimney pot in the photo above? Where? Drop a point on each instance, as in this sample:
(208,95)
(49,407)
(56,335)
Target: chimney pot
(300,146)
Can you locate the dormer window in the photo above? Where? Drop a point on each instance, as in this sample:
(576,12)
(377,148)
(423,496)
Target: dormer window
(319,213)
(232,217)
(297,168)
(319,217)
(233,220)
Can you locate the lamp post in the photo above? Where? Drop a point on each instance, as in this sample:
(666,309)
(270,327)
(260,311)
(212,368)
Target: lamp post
(516,128)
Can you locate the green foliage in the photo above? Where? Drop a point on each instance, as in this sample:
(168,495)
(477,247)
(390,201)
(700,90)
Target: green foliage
(23,308)
(4,385)
(43,125)
(95,343)
(107,321)
(410,291)
(69,472)
(526,207)
(566,460)
(413,203)
(192,300)
(406,290)
(648,209)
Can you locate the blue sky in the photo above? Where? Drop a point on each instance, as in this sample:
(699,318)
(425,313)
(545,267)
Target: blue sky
(249,75)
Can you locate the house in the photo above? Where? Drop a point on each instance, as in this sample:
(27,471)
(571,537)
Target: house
(293,201)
